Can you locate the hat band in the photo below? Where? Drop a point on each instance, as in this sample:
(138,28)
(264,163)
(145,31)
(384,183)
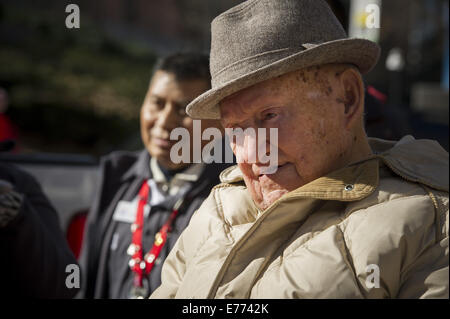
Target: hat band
(249,64)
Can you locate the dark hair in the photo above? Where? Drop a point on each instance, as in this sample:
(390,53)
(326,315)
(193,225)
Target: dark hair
(185,66)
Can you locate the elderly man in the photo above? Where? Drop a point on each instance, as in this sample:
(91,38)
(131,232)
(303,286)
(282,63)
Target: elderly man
(343,216)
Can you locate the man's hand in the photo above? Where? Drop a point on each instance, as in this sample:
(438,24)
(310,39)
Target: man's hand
(10,203)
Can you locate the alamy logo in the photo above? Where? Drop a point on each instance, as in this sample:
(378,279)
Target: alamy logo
(73,19)
(73,277)
(373,279)
(250,146)
(373,16)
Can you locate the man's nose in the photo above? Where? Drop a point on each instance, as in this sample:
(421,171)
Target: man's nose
(246,146)
(253,146)
(168,117)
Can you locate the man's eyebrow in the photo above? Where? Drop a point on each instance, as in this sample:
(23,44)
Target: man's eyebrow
(183,103)
(154,95)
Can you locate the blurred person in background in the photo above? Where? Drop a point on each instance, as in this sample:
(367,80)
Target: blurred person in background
(7,129)
(34,253)
(145,200)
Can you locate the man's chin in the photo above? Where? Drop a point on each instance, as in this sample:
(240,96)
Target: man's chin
(163,158)
(285,177)
(269,198)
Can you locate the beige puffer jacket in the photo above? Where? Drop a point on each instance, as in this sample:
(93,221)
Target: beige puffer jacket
(375,229)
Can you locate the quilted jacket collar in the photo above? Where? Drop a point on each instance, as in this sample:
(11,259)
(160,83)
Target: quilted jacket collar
(423,161)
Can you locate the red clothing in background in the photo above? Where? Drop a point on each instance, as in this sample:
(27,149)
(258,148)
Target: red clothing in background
(7,130)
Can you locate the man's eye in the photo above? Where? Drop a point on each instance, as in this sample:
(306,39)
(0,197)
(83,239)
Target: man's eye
(182,111)
(269,116)
(157,102)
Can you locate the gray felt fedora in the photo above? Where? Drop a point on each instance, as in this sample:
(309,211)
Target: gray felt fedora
(261,39)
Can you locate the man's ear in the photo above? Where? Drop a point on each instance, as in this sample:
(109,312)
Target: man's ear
(353,96)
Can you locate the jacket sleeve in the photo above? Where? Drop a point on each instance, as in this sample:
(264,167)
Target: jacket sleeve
(428,276)
(35,254)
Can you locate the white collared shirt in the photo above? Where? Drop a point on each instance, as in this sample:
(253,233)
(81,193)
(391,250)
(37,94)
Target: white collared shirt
(161,188)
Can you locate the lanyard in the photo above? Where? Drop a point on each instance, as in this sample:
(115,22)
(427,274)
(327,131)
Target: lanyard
(142,265)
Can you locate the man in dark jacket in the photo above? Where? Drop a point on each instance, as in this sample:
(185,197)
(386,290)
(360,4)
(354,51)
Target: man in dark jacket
(36,261)
(145,199)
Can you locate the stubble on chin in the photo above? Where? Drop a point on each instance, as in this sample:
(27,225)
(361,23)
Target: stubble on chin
(270,197)
(264,194)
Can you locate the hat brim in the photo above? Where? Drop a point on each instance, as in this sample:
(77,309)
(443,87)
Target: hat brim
(361,52)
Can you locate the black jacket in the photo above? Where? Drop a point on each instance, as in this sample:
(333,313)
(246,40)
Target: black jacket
(34,253)
(122,174)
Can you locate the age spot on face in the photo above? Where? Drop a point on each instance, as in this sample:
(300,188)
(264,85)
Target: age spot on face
(324,84)
(301,76)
